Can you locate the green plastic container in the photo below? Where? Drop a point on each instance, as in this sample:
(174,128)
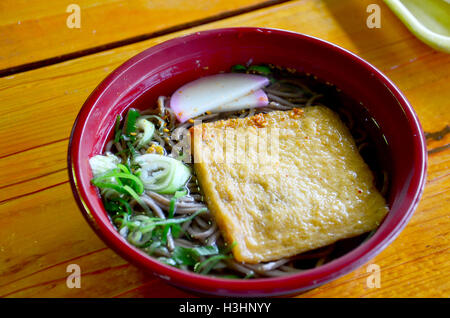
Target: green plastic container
(429,20)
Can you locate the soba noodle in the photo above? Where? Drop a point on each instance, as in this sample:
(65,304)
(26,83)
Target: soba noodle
(201,230)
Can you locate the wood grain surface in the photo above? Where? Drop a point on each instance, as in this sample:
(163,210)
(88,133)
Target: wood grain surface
(36,32)
(41,228)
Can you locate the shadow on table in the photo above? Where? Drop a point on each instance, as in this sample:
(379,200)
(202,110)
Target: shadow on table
(352,16)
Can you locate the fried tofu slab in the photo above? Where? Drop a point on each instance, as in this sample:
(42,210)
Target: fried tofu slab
(308,187)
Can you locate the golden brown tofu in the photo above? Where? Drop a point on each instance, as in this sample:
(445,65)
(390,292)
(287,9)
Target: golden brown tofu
(311,189)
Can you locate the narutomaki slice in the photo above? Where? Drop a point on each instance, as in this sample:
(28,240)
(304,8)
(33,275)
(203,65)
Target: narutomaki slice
(210,92)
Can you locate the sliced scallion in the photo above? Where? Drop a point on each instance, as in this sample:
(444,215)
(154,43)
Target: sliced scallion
(161,121)
(148,130)
(117,131)
(103,181)
(154,222)
(259,69)
(130,122)
(238,68)
(138,199)
(208,264)
(162,174)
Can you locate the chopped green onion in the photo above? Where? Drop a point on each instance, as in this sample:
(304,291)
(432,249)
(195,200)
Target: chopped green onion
(152,247)
(180,194)
(130,122)
(118,205)
(168,261)
(120,220)
(123,168)
(205,250)
(117,131)
(144,228)
(161,121)
(208,264)
(164,234)
(101,164)
(133,152)
(138,199)
(154,222)
(176,230)
(190,256)
(162,174)
(250,275)
(126,205)
(184,256)
(228,249)
(172,204)
(112,207)
(138,238)
(238,68)
(109,185)
(260,69)
(148,129)
(100,181)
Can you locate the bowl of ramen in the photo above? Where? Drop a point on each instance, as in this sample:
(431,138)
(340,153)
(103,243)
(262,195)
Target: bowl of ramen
(247,161)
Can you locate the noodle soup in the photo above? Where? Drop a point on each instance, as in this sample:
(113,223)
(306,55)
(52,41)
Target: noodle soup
(161,199)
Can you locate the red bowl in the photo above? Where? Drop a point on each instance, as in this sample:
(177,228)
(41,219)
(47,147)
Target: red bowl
(160,70)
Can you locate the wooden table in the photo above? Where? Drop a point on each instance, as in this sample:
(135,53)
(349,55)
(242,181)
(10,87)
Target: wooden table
(48,70)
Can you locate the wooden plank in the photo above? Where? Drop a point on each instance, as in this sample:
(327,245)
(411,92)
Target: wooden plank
(100,263)
(416,260)
(34,185)
(34,162)
(37,30)
(61,89)
(37,250)
(48,99)
(43,229)
(64,87)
